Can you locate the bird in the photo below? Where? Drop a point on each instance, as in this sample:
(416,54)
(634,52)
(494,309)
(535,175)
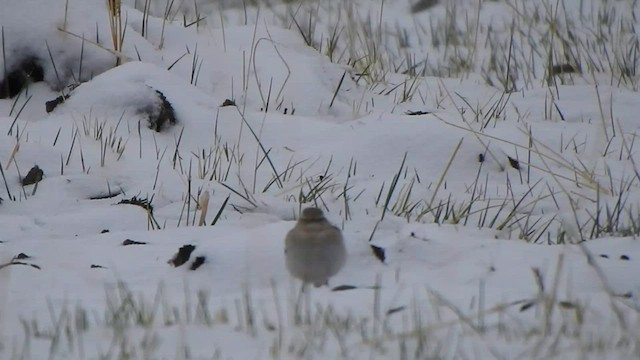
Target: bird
(314,248)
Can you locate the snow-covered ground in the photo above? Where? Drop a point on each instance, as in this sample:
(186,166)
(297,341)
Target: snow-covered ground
(485,149)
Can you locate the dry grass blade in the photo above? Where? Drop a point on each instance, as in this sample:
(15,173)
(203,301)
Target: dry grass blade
(392,187)
(115,24)
(276,174)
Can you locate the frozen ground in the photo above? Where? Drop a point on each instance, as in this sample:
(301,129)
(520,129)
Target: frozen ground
(485,148)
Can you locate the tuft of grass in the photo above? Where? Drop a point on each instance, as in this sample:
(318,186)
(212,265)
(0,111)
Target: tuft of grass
(117,27)
(131,324)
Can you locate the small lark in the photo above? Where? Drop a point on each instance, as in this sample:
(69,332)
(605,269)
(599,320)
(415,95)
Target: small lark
(314,249)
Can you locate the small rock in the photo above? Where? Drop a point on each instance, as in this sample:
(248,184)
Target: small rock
(27,71)
(33,176)
(52,104)
(344,288)
(21,256)
(182,256)
(418,112)
(162,116)
(378,252)
(514,163)
(133,242)
(228,102)
(197,262)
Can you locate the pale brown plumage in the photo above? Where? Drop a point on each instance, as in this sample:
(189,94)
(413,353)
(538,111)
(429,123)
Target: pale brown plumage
(314,249)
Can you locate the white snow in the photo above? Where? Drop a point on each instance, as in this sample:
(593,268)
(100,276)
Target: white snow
(482,260)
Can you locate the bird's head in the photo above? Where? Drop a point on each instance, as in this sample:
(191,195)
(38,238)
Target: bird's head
(312,214)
